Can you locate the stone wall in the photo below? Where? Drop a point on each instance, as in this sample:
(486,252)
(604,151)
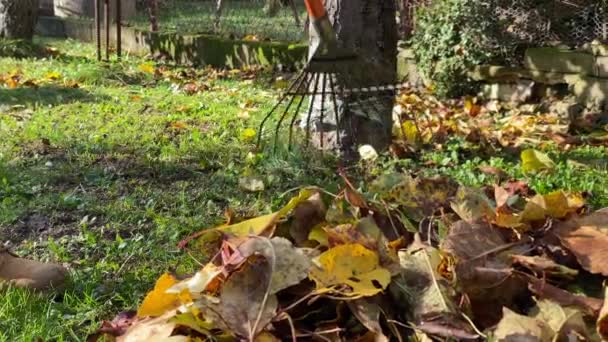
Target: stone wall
(581,73)
(184,49)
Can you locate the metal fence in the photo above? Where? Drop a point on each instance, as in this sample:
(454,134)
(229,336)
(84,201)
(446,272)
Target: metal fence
(533,22)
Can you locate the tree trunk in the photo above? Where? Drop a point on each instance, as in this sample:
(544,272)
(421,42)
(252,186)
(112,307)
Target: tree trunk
(18,18)
(369,28)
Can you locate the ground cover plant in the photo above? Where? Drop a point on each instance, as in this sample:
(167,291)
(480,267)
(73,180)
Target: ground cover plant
(113,168)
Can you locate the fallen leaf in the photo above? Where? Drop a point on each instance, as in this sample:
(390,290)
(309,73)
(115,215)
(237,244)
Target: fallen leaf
(602,321)
(419,197)
(352,265)
(290,265)
(193,322)
(368,313)
(590,306)
(157,329)
(566,323)
(544,266)
(158,301)
(583,237)
(245,305)
(258,225)
(146,68)
(306,216)
(515,327)
(430,293)
(199,282)
(248,134)
(472,205)
(251,184)
(535,161)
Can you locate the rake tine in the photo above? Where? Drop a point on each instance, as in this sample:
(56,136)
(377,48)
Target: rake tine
(295,117)
(337,116)
(301,81)
(310,108)
(322,129)
(281,99)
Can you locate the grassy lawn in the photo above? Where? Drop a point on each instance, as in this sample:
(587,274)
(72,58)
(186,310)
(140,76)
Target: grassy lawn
(239,19)
(105,167)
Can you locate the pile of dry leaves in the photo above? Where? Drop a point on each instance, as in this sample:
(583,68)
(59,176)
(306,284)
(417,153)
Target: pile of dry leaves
(413,259)
(422,119)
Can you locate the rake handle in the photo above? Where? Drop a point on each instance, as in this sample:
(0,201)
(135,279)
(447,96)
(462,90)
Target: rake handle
(315,9)
(321,23)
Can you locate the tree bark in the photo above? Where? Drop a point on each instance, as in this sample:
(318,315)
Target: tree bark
(369,28)
(18,18)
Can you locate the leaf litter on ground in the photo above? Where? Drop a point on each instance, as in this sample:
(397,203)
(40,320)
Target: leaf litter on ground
(410,257)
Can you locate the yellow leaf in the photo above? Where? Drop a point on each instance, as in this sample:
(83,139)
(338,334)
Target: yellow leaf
(535,161)
(507,220)
(157,301)
(146,67)
(558,204)
(318,234)
(259,225)
(352,265)
(178,125)
(410,133)
(248,134)
(193,322)
(52,76)
(250,38)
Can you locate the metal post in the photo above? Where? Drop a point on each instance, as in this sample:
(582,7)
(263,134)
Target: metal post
(97,29)
(118,29)
(106,18)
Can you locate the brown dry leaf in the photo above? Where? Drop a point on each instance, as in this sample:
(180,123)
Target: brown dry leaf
(429,293)
(291,266)
(583,237)
(419,197)
(602,321)
(472,205)
(244,301)
(468,241)
(158,301)
(352,265)
(590,306)
(368,311)
(306,216)
(515,327)
(543,265)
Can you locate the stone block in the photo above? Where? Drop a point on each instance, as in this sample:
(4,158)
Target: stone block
(599,49)
(590,90)
(601,66)
(559,60)
(498,74)
(518,92)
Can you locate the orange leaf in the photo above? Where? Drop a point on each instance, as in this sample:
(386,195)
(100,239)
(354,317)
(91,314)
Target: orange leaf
(157,301)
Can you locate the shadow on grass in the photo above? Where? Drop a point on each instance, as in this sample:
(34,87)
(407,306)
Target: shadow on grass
(46,95)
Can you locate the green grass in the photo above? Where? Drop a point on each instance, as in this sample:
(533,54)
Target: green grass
(239,19)
(102,179)
(108,177)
